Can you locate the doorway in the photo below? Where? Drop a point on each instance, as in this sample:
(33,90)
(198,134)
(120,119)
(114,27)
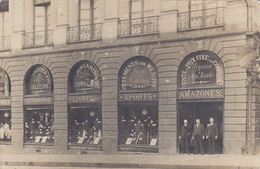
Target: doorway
(203,111)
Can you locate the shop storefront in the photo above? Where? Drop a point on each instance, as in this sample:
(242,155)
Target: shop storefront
(5,109)
(201,95)
(85,112)
(138,105)
(38,107)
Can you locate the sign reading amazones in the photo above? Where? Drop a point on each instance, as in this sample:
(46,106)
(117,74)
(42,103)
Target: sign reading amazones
(201,68)
(85,76)
(138,73)
(200,93)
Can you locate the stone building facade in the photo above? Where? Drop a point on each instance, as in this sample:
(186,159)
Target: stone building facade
(76,74)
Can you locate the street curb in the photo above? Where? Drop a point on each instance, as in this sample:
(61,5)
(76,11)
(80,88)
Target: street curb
(118,165)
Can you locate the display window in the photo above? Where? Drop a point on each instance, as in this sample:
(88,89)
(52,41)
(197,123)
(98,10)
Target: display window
(5,109)
(200,98)
(85,126)
(138,125)
(38,107)
(39,126)
(84,107)
(5,126)
(138,106)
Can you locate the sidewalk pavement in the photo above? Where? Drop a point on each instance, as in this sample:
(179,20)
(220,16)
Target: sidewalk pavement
(219,161)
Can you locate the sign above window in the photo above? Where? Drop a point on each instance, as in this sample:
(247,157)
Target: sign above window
(84,77)
(138,74)
(38,81)
(202,68)
(4,84)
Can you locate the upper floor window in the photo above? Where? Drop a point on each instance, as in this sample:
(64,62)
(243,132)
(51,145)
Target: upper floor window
(141,20)
(4,5)
(88,26)
(42,33)
(201,14)
(4,25)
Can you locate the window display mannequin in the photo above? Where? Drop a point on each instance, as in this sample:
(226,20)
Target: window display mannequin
(5,127)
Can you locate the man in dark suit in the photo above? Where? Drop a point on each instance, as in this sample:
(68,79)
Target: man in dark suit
(198,135)
(184,136)
(211,135)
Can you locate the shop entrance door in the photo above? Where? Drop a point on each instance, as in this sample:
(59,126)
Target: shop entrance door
(203,111)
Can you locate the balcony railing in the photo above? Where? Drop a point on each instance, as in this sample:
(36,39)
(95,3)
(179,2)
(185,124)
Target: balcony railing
(84,33)
(199,19)
(37,39)
(4,43)
(138,26)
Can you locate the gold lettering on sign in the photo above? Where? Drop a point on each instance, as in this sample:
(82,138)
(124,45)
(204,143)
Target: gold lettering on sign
(139,74)
(201,69)
(199,93)
(38,101)
(138,97)
(84,99)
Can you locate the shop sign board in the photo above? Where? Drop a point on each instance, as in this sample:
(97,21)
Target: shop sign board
(39,81)
(138,74)
(84,99)
(5,102)
(45,100)
(140,96)
(4,83)
(201,69)
(208,93)
(85,76)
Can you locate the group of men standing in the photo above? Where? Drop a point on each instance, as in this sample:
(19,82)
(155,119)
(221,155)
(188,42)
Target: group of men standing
(187,137)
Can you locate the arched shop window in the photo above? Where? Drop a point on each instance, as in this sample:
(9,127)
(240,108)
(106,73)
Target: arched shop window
(85,113)
(138,105)
(38,106)
(200,95)
(5,108)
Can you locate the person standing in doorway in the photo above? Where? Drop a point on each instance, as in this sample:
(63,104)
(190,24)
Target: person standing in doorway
(211,135)
(184,136)
(198,135)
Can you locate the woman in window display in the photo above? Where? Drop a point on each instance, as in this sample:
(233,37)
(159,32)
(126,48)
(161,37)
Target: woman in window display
(85,128)
(5,126)
(39,127)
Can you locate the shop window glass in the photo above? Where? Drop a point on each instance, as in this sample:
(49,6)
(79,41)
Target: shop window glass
(5,108)
(138,106)
(39,126)
(5,126)
(85,114)
(38,106)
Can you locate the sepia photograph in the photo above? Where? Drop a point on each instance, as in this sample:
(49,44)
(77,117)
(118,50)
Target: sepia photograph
(129,84)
